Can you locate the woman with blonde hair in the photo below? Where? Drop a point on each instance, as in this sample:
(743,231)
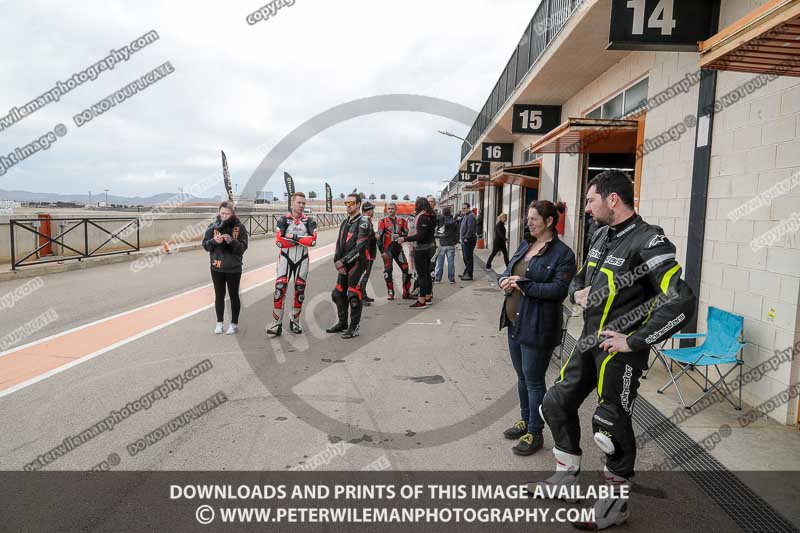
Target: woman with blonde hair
(499,242)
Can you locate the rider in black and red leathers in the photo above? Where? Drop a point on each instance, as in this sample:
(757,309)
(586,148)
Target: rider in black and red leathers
(351,261)
(368,210)
(390,229)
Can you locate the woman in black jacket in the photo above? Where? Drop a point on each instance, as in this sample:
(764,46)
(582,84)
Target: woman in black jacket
(499,242)
(423,252)
(535,282)
(226,241)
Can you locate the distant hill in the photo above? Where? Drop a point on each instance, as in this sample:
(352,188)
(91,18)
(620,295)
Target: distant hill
(27,196)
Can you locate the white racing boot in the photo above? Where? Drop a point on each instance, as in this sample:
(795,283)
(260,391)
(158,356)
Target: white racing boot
(608,511)
(568,466)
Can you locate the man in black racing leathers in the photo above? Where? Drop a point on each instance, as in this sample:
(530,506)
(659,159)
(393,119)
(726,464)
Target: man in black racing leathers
(631,290)
(368,210)
(350,260)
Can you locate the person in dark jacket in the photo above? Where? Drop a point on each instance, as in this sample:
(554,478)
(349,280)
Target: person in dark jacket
(469,238)
(368,210)
(499,242)
(447,243)
(536,281)
(350,260)
(424,237)
(225,241)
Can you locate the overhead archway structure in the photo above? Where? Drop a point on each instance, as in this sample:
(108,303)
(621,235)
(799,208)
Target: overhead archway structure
(347,111)
(280,378)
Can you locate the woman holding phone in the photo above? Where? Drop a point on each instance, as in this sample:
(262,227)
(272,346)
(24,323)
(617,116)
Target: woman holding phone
(535,282)
(226,241)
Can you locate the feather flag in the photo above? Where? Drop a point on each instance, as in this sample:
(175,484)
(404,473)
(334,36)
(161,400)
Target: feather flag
(289,187)
(226,176)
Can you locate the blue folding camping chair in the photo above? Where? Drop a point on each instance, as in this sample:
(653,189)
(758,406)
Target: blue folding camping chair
(722,345)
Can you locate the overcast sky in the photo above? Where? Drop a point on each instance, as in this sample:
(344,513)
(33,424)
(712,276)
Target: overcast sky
(242,88)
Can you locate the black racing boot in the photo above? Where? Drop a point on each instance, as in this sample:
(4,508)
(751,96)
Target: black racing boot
(339,326)
(294,326)
(275,329)
(341,309)
(351,332)
(355,318)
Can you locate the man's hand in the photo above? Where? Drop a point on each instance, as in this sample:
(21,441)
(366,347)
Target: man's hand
(614,342)
(340,267)
(385,257)
(227,238)
(582,297)
(400,240)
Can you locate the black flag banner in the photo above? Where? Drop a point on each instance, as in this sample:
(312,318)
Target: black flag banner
(226,176)
(328,199)
(289,187)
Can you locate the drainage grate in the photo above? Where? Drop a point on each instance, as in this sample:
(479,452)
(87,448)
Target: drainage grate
(745,507)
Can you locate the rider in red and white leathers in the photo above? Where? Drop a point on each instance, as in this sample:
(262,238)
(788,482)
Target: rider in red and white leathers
(295,233)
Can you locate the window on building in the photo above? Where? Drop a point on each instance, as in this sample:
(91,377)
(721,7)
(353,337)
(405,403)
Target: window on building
(622,104)
(614,107)
(636,96)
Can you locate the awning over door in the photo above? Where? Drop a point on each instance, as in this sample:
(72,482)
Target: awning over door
(587,135)
(765,41)
(480,183)
(522,175)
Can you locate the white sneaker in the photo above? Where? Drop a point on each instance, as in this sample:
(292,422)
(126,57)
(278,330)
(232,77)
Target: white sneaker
(232,329)
(219,329)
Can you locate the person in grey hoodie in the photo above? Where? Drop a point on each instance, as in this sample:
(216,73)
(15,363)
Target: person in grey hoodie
(469,239)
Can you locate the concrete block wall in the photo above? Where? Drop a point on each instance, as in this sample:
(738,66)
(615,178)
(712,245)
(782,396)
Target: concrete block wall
(756,144)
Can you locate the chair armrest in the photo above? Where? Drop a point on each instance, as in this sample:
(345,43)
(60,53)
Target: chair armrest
(688,335)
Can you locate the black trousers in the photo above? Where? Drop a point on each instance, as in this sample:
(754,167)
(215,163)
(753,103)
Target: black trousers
(348,293)
(468,253)
(496,249)
(422,262)
(365,277)
(617,383)
(231,280)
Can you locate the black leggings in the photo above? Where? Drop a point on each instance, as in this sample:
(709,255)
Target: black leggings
(496,249)
(422,262)
(231,279)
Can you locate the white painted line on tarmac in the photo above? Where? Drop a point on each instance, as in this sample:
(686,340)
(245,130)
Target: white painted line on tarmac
(92,355)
